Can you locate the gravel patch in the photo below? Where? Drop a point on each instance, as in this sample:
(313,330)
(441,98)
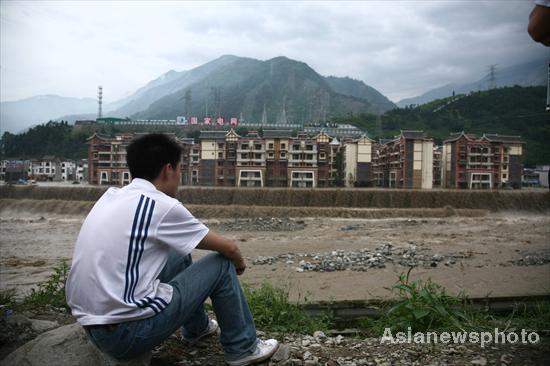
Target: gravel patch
(342,260)
(533,259)
(262,224)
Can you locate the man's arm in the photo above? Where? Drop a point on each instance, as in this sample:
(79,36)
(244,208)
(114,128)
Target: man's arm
(225,247)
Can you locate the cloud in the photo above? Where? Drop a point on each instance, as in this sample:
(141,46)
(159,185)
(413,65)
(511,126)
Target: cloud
(400,48)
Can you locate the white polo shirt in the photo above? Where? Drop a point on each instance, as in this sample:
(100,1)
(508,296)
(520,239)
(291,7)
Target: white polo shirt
(121,249)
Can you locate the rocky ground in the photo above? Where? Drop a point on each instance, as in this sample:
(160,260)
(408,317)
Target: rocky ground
(260,224)
(328,259)
(331,258)
(333,348)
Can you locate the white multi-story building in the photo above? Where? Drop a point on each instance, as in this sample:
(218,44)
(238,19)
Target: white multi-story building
(46,169)
(81,170)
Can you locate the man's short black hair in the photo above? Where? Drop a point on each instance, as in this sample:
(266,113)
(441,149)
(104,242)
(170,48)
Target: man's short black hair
(146,155)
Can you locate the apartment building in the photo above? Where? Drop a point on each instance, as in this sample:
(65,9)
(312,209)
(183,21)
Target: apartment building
(486,162)
(302,162)
(46,169)
(106,163)
(277,144)
(404,162)
(251,162)
(437,173)
(218,158)
(107,159)
(14,171)
(190,162)
(357,161)
(410,160)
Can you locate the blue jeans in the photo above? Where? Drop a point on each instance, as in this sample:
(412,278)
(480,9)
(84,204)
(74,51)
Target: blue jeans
(212,276)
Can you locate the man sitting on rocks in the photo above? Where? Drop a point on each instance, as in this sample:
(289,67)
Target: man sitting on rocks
(132,283)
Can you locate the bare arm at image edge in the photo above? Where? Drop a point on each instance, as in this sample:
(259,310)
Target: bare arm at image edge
(539,23)
(225,247)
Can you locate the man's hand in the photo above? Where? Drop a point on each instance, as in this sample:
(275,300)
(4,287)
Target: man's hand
(225,247)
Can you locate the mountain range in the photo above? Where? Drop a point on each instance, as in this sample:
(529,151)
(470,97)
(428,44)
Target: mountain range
(532,73)
(277,90)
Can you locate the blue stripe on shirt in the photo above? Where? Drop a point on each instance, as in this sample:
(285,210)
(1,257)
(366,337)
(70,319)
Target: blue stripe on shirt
(130,245)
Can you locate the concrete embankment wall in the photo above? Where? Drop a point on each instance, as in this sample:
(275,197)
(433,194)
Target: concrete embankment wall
(538,201)
(13,207)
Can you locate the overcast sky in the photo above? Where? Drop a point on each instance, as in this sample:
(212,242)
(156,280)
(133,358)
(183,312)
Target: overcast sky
(400,48)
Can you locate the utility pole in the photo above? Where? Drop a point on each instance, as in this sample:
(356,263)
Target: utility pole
(188,103)
(99,101)
(492,76)
(548,90)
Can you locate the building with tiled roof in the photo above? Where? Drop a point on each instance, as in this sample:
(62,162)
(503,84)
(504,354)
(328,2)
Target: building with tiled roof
(487,162)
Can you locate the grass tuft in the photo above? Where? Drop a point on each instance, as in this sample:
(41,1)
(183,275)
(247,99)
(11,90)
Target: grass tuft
(52,291)
(272,311)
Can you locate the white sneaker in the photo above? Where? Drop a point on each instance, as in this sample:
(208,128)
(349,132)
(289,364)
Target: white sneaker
(264,350)
(211,329)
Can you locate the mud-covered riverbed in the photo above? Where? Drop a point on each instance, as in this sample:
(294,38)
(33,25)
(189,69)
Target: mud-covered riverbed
(491,255)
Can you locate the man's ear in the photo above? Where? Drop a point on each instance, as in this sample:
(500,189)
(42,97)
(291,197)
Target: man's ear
(164,171)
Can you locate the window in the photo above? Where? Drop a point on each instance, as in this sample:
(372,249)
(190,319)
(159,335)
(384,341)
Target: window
(283,146)
(220,146)
(296,147)
(504,176)
(295,156)
(309,147)
(270,155)
(270,146)
(283,155)
(257,156)
(244,147)
(220,155)
(257,147)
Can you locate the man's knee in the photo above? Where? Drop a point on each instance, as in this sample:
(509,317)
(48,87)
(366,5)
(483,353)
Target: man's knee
(221,261)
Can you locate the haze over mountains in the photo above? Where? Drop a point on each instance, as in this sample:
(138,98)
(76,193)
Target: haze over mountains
(279,89)
(532,73)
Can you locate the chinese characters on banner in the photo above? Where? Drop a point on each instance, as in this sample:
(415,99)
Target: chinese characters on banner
(233,121)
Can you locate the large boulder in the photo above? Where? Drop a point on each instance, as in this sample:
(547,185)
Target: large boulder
(65,346)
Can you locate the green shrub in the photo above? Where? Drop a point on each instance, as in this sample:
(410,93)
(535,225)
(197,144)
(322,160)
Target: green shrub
(51,292)
(425,306)
(272,311)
